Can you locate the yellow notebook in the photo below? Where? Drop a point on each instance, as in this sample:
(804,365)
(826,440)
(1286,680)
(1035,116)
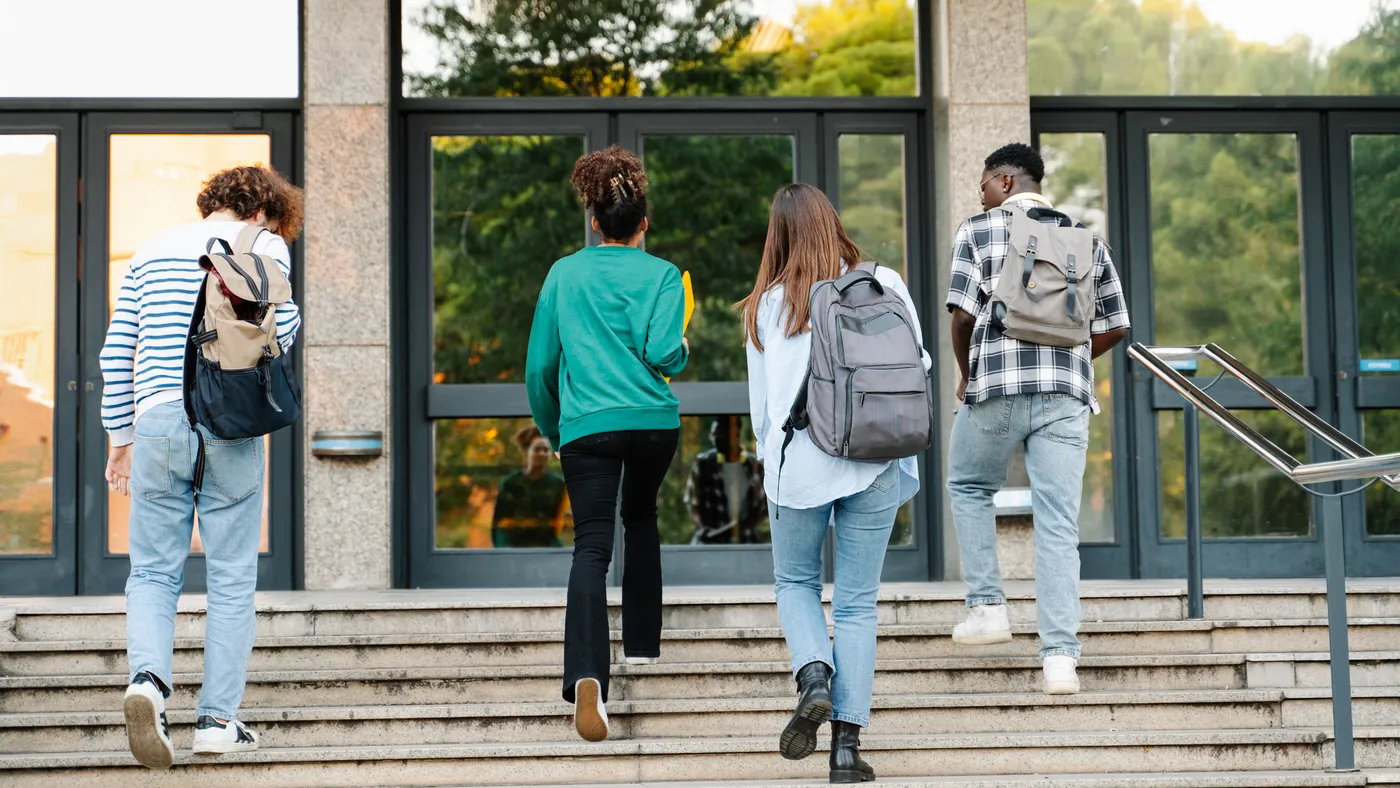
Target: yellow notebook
(689,304)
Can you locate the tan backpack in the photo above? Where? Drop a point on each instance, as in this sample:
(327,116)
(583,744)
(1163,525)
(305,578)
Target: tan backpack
(1045,293)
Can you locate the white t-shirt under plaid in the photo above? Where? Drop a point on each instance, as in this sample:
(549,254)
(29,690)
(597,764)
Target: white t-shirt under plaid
(999,365)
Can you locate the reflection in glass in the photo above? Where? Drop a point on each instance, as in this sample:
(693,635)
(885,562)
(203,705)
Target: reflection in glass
(1076,180)
(154,181)
(1241,495)
(1225,247)
(1380,432)
(28,234)
(503,212)
(709,198)
(1375,173)
(871,174)
(1224,48)
(498,485)
(724,488)
(680,48)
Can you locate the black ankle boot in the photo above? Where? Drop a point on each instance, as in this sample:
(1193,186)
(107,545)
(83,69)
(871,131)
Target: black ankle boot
(799,738)
(846,764)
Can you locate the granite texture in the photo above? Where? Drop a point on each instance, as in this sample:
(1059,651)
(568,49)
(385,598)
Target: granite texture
(987,52)
(346,52)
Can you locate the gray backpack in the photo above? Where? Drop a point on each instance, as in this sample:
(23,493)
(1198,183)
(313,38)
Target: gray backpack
(867,395)
(1045,293)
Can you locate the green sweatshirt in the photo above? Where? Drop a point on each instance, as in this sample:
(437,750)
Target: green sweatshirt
(608,327)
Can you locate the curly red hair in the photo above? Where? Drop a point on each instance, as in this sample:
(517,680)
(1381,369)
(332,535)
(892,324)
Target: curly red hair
(247,191)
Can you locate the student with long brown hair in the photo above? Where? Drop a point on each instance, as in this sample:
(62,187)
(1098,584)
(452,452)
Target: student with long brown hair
(608,331)
(807,245)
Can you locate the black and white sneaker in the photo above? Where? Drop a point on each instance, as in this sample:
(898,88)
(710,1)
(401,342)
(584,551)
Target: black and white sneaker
(147,732)
(212,737)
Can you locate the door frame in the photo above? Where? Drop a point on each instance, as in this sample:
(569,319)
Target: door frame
(1366,555)
(57,572)
(102,572)
(1254,556)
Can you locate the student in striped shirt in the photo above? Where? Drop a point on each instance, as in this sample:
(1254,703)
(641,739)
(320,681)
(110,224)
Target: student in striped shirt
(152,460)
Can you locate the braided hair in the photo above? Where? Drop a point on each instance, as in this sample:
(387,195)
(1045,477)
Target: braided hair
(613,185)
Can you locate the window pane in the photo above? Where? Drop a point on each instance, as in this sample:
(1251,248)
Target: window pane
(154,181)
(1375,172)
(28,217)
(1212,47)
(151,49)
(503,212)
(682,48)
(871,174)
(713,493)
(1380,432)
(1225,246)
(498,485)
(1241,495)
(709,198)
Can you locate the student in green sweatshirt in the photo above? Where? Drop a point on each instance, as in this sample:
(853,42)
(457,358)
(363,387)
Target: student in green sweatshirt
(608,331)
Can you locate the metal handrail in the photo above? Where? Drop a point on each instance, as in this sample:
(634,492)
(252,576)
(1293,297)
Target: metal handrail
(1358,463)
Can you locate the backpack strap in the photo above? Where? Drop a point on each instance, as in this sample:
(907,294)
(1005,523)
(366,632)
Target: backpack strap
(857,275)
(192,350)
(247,237)
(797,420)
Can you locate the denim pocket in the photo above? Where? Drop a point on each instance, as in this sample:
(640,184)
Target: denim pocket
(992,417)
(1066,420)
(233,470)
(150,467)
(882,494)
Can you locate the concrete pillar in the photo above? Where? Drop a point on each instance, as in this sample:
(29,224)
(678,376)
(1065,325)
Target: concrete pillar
(981,102)
(346,302)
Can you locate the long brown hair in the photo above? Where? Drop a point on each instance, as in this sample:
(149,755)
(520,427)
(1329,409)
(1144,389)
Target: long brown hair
(806,244)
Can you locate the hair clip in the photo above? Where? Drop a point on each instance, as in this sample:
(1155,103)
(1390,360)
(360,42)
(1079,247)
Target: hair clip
(619,193)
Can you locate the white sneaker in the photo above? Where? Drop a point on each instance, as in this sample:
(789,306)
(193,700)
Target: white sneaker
(1060,675)
(984,626)
(643,660)
(590,717)
(147,732)
(212,737)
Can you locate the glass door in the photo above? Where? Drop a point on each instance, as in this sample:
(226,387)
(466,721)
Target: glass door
(38,384)
(1228,246)
(1365,192)
(143,173)
(490,209)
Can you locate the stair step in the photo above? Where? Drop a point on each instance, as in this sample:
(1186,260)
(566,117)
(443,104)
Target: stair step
(1260,779)
(749,758)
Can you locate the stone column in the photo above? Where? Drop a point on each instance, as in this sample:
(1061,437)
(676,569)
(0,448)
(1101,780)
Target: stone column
(981,102)
(346,302)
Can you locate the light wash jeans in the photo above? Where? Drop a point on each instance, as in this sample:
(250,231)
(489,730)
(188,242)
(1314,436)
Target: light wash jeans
(863,525)
(163,503)
(1054,428)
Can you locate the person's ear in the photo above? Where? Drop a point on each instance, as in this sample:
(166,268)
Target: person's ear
(646,225)
(1006,181)
(597,228)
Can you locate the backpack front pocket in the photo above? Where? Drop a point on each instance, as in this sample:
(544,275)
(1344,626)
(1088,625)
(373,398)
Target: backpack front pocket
(888,406)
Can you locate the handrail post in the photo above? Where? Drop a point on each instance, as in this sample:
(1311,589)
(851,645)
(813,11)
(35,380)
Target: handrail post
(1195,582)
(1334,545)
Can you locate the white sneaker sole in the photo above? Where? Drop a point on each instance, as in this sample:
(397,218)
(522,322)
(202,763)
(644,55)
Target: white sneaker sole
(143,733)
(983,638)
(1062,687)
(587,721)
(223,747)
(643,660)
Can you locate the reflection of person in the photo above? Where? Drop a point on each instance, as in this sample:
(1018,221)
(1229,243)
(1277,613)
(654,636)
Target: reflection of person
(142,403)
(530,506)
(607,332)
(725,489)
(807,244)
(1045,395)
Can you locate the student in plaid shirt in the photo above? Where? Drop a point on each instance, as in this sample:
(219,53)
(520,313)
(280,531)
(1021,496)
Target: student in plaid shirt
(1018,393)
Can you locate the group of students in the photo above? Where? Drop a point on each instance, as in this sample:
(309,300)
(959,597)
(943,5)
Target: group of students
(608,332)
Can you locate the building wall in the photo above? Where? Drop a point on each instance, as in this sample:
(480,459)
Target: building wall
(346,302)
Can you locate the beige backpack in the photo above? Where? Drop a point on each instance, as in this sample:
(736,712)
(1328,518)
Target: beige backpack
(1045,293)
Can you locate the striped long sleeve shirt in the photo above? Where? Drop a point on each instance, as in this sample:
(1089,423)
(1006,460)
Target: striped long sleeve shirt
(143,357)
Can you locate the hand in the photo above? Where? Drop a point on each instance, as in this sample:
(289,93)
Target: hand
(685,343)
(962,388)
(119,469)
(556,456)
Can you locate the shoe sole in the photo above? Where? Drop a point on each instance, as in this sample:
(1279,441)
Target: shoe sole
(983,639)
(799,738)
(143,733)
(223,748)
(643,660)
(1062,688)
(845,777)
(586,720)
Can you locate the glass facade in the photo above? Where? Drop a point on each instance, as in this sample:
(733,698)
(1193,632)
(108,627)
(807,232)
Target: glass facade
(673,49)
(1212,47)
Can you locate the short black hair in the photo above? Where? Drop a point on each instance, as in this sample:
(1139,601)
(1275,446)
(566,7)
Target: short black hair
(1019,155)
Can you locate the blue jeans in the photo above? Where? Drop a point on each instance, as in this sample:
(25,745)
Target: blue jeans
(863,525)
(163,504)
(1054,428)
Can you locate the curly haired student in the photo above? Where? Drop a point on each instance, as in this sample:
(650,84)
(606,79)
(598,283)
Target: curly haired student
(607,333)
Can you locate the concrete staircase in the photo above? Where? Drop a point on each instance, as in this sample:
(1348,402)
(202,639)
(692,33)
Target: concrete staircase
(432,688)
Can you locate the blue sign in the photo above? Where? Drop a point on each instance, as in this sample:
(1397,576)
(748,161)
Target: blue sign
(1380,365)
(1184,365)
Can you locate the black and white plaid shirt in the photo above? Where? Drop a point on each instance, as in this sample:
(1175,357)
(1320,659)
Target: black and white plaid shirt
(999,365)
